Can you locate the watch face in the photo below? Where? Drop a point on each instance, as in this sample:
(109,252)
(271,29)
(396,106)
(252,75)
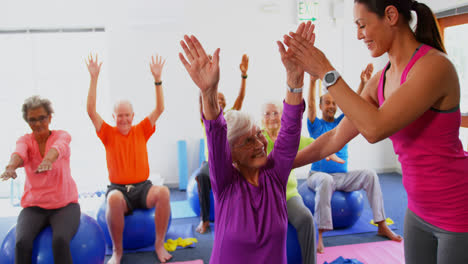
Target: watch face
(329,77)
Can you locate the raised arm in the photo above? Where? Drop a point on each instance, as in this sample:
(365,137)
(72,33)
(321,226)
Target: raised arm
(294,70)
(204,73)
(156,67)
(244,66)
(10,170)
(94,67)
(422,90)
(311,106)
(287,142)
(366,74)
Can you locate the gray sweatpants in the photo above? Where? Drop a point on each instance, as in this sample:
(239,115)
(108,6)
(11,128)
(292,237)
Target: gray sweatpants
(301,218)
(425,243)
(325,184)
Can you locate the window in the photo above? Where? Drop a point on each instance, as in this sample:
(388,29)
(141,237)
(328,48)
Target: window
(455,34)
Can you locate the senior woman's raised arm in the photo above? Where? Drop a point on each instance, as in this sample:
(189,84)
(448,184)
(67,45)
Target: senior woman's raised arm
(205,74)
(294,71)
(287,143)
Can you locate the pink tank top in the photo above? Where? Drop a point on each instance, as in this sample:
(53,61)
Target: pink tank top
(434,165)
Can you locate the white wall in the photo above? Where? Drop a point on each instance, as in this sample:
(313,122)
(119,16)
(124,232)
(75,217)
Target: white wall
(53,66)
(137,29)
(237,28)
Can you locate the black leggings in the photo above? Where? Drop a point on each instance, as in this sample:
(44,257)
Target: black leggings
(204,188)
(32,220)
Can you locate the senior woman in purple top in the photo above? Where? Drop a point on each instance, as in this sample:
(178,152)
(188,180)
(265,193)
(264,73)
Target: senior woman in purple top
(249,188)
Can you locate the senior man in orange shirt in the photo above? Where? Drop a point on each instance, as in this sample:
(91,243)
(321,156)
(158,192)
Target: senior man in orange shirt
(127,162)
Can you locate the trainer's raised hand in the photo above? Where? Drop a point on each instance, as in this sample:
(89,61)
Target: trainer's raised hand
(310,57)
(294,69)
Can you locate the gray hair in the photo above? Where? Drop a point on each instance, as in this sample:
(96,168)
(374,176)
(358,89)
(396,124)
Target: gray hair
(238,124)
(118,103)
(34,102)
(278,105)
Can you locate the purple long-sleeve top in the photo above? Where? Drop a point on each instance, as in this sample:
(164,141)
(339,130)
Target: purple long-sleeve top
(251,222)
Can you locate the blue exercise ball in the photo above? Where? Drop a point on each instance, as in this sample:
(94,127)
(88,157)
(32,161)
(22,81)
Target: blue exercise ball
(308,196)
(194,200)
(139,230)
(293,249)
(87,246)
(346,207)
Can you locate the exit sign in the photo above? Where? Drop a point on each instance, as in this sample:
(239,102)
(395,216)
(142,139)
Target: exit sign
(307,10)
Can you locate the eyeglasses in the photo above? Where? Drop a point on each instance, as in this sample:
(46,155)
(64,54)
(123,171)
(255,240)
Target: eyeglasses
(40,119)
(251,141)
(270,114)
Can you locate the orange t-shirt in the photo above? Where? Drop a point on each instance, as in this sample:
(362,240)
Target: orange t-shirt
(127,156)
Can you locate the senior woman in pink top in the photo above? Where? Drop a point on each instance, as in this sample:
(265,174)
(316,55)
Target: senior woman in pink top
(50,194)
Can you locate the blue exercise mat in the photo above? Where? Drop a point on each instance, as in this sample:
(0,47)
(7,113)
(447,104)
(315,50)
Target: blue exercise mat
(174,232)
(181,209)
(362,225)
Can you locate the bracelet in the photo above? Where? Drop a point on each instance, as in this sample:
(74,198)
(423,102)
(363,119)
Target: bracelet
(244,76)
(158,83)
(295,90)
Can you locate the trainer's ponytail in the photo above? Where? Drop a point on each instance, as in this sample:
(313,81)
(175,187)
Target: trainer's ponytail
(427,29)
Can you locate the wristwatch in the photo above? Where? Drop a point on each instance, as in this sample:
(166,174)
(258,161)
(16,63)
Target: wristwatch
(330,78)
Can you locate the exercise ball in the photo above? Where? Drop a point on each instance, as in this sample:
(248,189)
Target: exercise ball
(194,200)
(293,249)
(346,206)
(87,246)
(139,230)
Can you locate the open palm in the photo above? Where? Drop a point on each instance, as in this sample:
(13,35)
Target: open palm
(244,66)
(290,62)
(203,70)
(366,74)
(156,66)
(94,66)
